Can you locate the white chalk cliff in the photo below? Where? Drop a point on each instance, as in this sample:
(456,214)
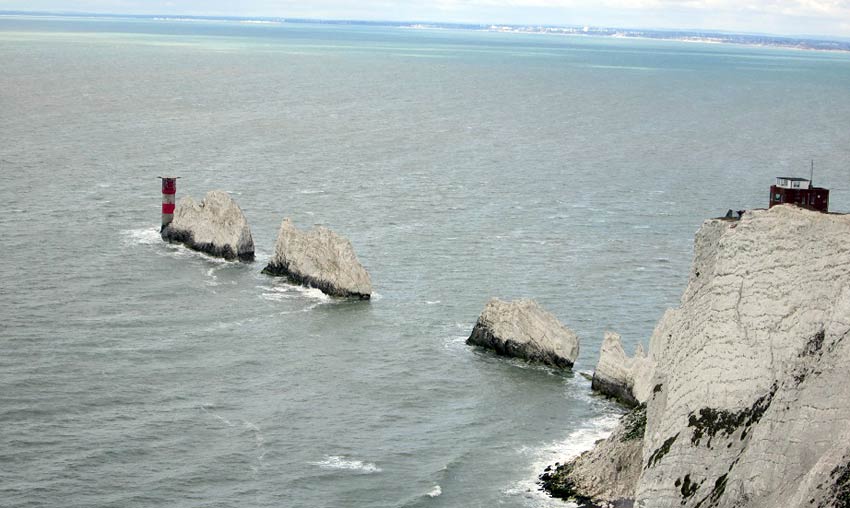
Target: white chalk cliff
(750,405)
(215,226)
(319,258)
(621,377)
(522,329)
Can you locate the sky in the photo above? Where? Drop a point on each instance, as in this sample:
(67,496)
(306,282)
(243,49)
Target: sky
(786,17)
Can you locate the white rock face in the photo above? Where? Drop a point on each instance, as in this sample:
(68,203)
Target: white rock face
(215,226)
(754,403)
(523,329)
(621,377)
(319,258)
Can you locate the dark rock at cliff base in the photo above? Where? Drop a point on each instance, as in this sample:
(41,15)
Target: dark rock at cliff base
(215,226)
(523,329)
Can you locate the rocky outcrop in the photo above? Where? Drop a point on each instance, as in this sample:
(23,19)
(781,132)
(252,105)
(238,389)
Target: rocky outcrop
(752,403)
(606,475)
(523,329)
(319,258)
(215,226)
(626,379)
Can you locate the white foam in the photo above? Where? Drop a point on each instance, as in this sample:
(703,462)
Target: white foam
(311,191)
(456,343)
(436,491)
(283,291)
(213,277)
(341,463)
(151,236)
(143,236)
(577,442)
(315,294)
(435,302)
(276,297)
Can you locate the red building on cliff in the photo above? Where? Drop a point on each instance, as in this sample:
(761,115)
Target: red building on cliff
(799,191)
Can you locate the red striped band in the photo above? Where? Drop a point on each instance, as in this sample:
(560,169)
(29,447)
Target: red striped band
(168,208)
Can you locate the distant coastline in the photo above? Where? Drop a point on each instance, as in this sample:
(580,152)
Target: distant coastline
(704,37)
(694,36)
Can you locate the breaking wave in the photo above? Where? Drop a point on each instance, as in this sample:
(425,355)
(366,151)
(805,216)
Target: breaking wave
(282,292)
(572,446)
(342,463)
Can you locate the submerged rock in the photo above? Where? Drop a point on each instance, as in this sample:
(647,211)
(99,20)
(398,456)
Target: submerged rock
(319,258)
(523,329)
(628,380)
(215,226)
(750,400)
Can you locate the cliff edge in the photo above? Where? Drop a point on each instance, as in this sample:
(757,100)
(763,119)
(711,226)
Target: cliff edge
(750,402)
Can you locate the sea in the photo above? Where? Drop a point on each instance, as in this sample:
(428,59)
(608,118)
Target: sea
(462,165)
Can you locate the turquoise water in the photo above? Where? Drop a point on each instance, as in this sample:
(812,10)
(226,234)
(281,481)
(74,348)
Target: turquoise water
(462,165)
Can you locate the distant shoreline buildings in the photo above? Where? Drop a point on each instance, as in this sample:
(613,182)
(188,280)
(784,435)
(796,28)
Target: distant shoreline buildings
(698,36)
(706,37)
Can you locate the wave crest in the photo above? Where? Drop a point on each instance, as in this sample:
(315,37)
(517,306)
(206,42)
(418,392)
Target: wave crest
(342,463)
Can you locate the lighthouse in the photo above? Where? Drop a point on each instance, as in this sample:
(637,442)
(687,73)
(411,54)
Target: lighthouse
(169,189)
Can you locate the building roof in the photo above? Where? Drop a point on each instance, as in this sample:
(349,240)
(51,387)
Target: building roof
(793,178)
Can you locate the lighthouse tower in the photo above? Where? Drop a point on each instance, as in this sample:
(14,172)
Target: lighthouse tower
(169,189)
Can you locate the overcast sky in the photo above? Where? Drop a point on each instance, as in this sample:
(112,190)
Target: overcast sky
(813,17)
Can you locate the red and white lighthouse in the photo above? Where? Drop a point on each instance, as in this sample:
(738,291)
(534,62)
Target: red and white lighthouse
(169,189)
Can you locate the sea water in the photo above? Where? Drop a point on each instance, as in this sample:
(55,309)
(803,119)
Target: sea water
(462,165)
